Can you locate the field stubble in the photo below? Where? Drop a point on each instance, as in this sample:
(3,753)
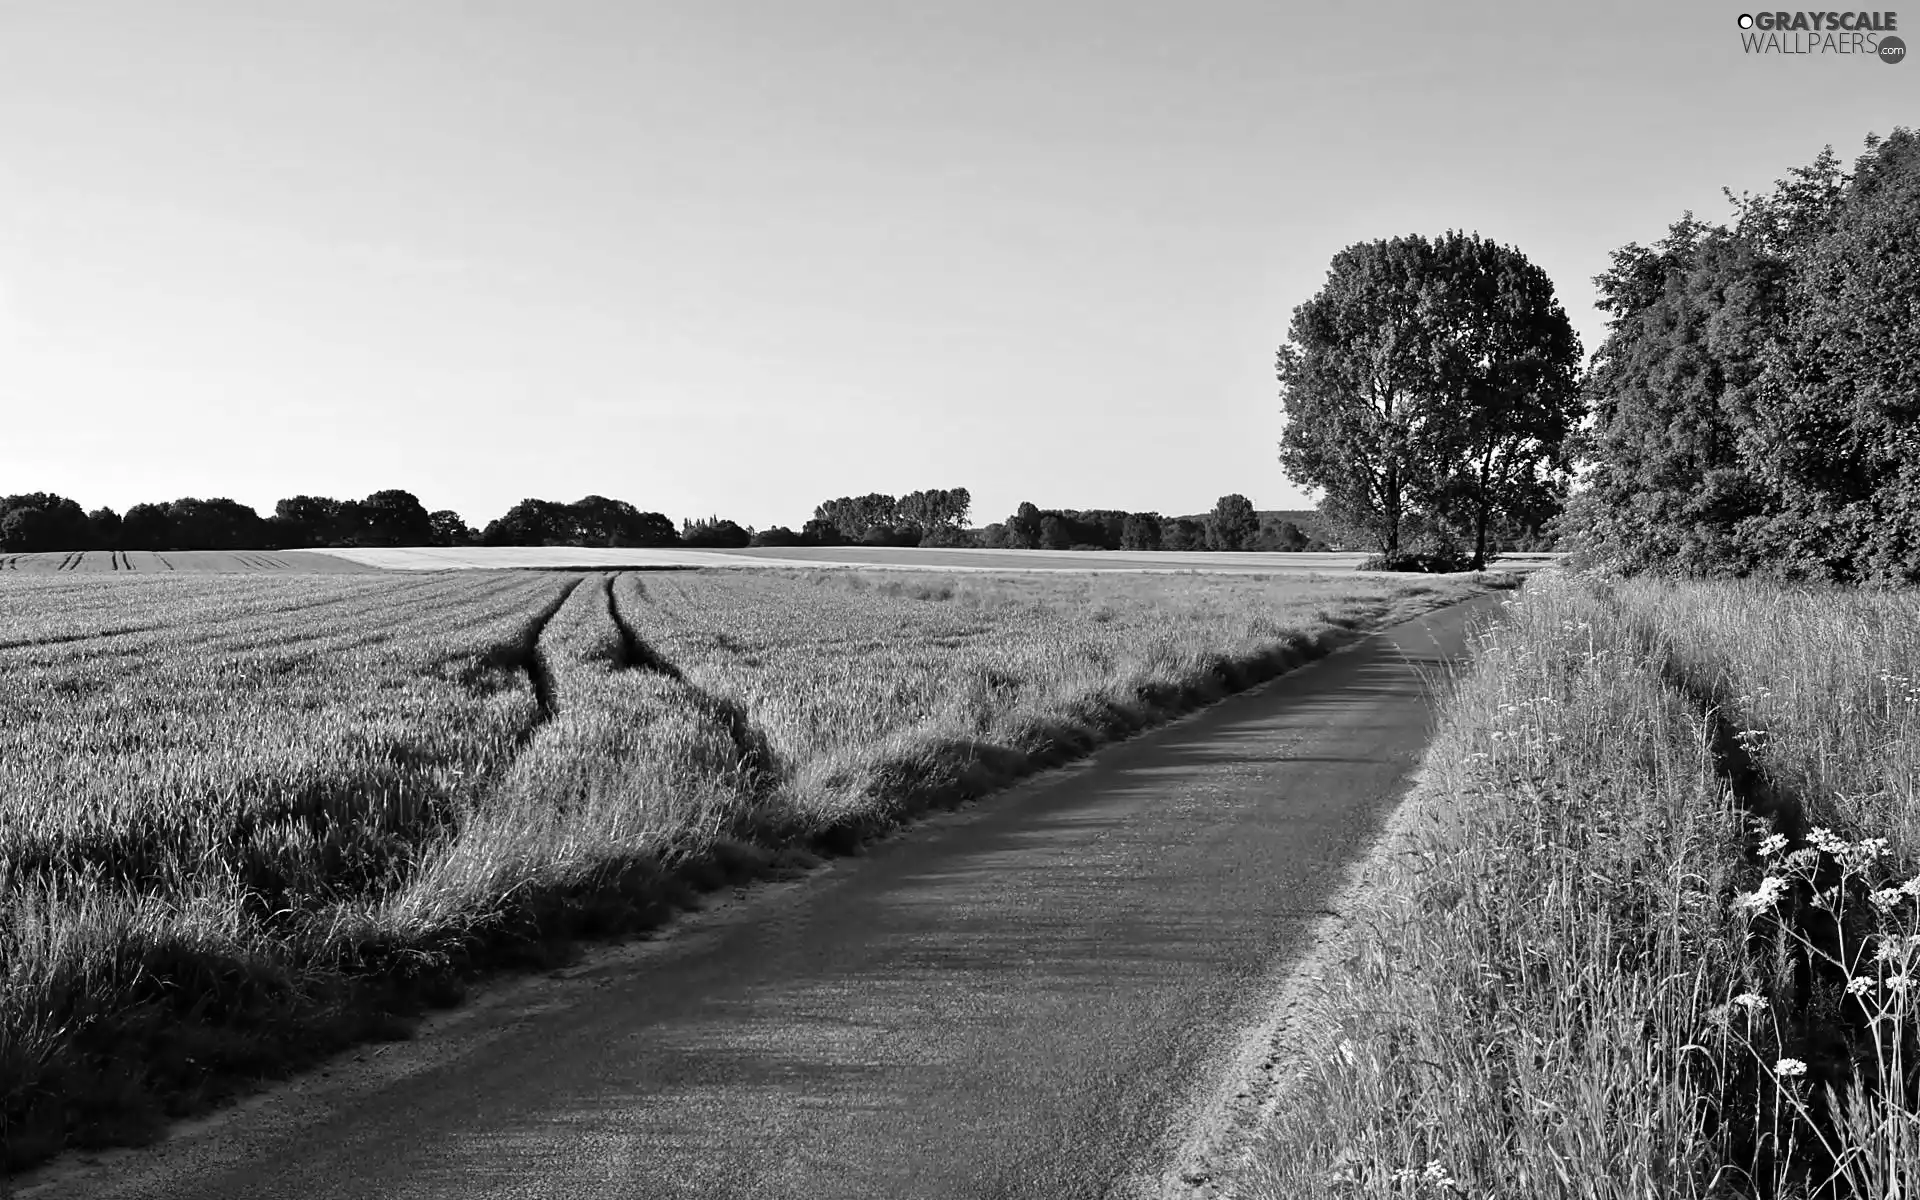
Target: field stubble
(247,820)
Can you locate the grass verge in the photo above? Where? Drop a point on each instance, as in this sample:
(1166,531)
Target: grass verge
(1616,950)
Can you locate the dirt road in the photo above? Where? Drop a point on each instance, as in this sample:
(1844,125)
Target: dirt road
(1023,999)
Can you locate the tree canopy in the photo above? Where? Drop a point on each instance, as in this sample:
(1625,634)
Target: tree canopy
(1437,378)
(1757,400)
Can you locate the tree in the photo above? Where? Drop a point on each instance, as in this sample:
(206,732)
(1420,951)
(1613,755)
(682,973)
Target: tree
(1507,362)
(1428,376)
(1232,525)
(1754,402)
(45,521)
(317,521)
(1141,531)
(1021,531)
(215,524)
(716,532)
(1183,533)
(777,535)
(27,529)
(105,524)
(1055,533)
(146,527)
(531,523)
(448,529)
(821,531)
(935,511)
(598,521)
(1281,535)
(395,518)
(1354,384)
(1834,421)
(852,516)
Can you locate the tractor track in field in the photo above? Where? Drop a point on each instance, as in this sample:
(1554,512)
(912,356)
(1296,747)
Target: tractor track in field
(527,657)
(635,652)
(749,739)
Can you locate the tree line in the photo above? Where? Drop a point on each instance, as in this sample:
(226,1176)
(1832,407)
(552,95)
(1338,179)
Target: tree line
(1753,410)
(43,521)
(1756,403)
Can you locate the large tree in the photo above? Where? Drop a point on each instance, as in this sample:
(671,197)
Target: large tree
(1430,377)
(395,518)
(1232,525)
(1507,364)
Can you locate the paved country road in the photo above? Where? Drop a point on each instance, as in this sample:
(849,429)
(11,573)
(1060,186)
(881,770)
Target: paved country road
(1026,998)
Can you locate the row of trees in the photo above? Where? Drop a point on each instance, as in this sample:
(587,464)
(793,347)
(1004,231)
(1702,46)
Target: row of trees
(1232,525)
(37,521)
(43,521)
(1757,400)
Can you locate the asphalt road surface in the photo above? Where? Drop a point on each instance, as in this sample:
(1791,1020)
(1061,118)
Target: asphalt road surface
(1026,998)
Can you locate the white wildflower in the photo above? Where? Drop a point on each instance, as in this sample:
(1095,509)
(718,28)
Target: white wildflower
(1859,985)
(1751,1002)
(1886,898)
(1773,845)
(1763,897)
(1790,1068)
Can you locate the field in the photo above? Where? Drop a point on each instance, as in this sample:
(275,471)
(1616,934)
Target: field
(189,561)
(1649,926)
(247,819)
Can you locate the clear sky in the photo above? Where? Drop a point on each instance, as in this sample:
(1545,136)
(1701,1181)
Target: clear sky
(741,257)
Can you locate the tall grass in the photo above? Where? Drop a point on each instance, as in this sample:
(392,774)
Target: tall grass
(1572,977)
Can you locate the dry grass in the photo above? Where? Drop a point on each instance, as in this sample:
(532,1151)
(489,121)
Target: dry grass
(245,819)
(1573,979)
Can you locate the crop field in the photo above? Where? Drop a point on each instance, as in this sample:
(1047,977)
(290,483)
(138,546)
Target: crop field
(245,819)
(189,561)
(1650,928)
(916,558)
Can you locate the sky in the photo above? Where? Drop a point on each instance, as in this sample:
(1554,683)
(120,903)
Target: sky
(737,258)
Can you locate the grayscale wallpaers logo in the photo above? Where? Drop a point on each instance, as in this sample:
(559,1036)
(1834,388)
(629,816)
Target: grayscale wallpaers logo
(1868,34)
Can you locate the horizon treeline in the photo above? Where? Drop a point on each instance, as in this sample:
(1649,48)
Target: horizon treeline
(44,521)
(1757,400)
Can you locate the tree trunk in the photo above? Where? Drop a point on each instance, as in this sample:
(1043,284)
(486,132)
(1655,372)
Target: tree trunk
(1482,508)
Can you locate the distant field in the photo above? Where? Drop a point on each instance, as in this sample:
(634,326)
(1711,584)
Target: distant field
(200,561)
(480,558)
(904,558)
(241,815)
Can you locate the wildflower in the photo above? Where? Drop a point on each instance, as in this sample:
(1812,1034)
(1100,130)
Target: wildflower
(1886,898)
(1773,845)
(1764,897)
(1886,952)
(1823,838)
(1751,1002)
(1912,886)
(1790,1068)
(1859,985)
(1898,981)
(1436,1174)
